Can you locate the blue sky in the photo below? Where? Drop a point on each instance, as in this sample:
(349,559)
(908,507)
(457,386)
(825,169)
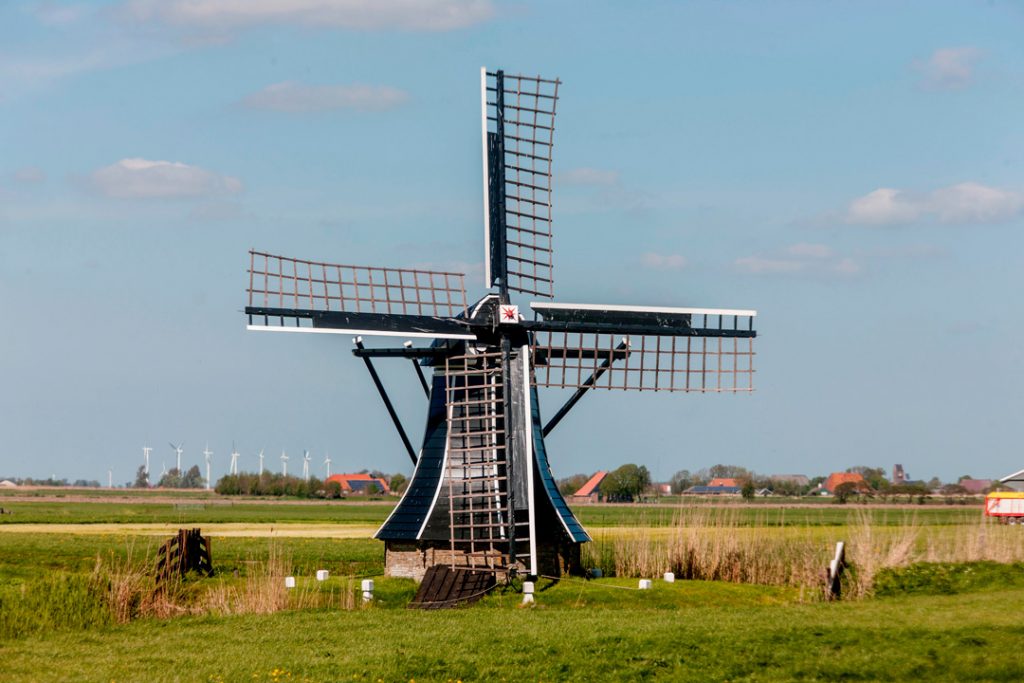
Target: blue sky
(854,171)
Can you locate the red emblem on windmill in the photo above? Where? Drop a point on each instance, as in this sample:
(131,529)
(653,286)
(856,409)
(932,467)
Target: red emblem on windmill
(509,314)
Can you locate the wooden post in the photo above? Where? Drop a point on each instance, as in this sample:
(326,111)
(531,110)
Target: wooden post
(833,589)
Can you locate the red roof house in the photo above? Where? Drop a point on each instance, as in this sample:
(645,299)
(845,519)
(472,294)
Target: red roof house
(837,478)
(358,483)
(590,492)
(723,481)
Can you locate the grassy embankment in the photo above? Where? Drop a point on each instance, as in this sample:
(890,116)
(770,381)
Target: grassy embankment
(53,590)
(684,631)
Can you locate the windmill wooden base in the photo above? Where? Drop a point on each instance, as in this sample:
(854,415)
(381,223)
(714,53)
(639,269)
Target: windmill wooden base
(412,560)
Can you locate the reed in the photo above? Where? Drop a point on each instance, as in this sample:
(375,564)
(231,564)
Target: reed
(725,547)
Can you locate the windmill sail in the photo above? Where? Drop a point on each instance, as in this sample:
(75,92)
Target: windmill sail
(643,348)
(518,137)
(295,295)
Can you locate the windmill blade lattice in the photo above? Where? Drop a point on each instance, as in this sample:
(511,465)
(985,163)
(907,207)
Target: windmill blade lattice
(519,129)
(300,295)
(643,362)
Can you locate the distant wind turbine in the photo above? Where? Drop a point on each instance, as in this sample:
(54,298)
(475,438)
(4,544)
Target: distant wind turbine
(233,469)
(178,450)
(110,479)
(146,450)
(261,462)
(305,465)
(207,453)
(284,463)
(327,463)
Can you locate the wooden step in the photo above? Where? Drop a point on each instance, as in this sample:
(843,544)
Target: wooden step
(444,587)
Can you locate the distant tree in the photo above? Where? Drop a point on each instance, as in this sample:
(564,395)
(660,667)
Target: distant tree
(141,478)
(748,489)
(874,476)
(333,490)
(934,483)
(844,491)
(962,477)
(911,490)
(724,472)
(193,479)
(372,489)
(398,482)
(171,479)
(572,484)
(681,481)
(626,483)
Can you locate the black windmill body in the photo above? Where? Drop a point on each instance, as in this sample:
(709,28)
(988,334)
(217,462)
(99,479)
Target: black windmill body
(482,494)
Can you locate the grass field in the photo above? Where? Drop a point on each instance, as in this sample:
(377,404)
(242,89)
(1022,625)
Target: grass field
(701,632)
(65,564)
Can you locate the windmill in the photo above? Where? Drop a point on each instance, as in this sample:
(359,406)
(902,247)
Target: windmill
(260,456)
(327,464)
(284,464)
(482,495)
(178,450)
(233,468)
(207,453)
(305,465)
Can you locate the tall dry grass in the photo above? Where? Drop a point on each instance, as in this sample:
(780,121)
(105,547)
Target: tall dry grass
(715,546)
(120,590)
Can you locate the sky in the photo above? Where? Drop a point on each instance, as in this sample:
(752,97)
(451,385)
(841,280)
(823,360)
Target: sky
(853,171)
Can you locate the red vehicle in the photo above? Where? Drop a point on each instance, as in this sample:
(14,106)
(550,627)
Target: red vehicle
(1008,506)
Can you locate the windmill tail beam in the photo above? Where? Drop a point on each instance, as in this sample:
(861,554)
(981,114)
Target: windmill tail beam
(578,394)
(387,402)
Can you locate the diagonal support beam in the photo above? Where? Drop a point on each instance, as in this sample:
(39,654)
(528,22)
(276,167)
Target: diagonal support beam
(574,399)
(358,341)
(419,371)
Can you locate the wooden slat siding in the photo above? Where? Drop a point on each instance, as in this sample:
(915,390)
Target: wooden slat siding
(445,588)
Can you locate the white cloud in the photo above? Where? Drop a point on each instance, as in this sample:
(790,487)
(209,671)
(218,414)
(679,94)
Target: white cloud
(657,261)
(884,206)
(949,68)
(803,258)
(975,203)
(590,176)
(30,174)
(298,97)
(404,15)
(141,178)
(967,202)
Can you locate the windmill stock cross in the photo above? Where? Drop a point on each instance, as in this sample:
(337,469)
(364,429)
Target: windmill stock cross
(482,495)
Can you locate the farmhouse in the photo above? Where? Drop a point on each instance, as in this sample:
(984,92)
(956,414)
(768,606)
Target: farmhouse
(837,478)
(723,481)
(591,491)
(1014,481)
(359,484)
(710,490)
(976,486)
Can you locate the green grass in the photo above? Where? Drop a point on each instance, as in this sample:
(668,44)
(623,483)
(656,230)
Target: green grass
(200,512)
(208,510)
(707,638)
(944,578)
(24,556)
